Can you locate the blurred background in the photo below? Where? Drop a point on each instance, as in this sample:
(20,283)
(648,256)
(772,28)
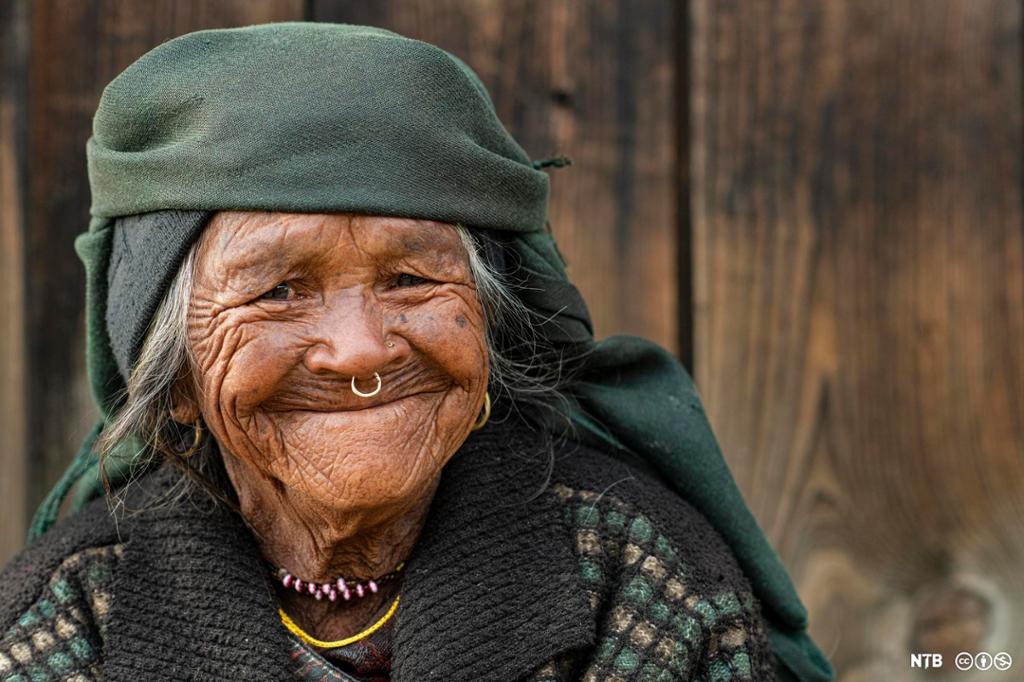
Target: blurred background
(816,204)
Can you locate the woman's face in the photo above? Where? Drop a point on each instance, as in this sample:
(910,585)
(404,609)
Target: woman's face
(289,307)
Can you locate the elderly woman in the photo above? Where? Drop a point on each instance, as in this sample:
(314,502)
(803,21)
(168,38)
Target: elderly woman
(355,425)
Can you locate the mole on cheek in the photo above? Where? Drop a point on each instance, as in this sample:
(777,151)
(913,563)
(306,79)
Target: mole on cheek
(461,321)
(401,316)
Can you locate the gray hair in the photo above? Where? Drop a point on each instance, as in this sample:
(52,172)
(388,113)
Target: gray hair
(138,431)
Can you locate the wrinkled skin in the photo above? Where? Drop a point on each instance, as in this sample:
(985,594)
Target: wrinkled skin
(287,308)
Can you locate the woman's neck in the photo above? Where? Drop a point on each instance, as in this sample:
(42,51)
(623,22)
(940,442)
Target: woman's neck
(354,550)
(364,556)
(319,541)
(321,545)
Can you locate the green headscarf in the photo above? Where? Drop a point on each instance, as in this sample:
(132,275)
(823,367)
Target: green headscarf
(324,117)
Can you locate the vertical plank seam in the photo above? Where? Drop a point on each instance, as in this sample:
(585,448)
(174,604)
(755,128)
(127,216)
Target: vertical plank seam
(684,223)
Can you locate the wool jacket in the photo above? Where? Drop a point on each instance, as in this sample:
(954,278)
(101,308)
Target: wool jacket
(536,563)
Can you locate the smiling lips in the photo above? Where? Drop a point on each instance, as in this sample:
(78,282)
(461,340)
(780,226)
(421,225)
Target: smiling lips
(327,407)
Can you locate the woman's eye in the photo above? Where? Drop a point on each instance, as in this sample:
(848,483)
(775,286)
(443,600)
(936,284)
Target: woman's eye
(282,292)
(407,280)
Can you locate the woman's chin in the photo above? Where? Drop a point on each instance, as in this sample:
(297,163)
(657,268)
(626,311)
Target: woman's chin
(347,461)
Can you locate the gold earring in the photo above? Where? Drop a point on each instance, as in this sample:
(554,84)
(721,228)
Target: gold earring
(486,415)
(197,426)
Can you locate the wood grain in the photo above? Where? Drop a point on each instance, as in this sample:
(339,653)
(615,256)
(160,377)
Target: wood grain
(76,48)
(13,59)
(859,309)
(595,81)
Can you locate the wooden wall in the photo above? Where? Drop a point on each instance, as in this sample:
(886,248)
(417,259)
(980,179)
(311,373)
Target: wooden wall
(859,309)
(817,205)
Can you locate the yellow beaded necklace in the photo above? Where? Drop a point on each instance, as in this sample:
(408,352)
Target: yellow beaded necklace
(301,634)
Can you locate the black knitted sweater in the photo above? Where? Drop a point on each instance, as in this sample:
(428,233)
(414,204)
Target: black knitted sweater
(532,565)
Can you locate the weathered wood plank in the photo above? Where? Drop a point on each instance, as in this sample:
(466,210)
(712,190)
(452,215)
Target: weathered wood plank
(594,81)
(13,56)
(859,312)
(76,49)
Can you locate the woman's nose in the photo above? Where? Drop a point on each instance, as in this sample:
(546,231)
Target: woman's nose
(349,337)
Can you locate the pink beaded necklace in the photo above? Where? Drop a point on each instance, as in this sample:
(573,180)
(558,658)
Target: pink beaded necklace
(344,588)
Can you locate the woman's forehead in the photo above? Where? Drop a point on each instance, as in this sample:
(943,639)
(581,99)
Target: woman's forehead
(245,235)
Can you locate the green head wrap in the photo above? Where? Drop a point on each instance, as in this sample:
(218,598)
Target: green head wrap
(323,117)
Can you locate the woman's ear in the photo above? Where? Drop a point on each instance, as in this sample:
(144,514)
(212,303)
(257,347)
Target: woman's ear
(184,409)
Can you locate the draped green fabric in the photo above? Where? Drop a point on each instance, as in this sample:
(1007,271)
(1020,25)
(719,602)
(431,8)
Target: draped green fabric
(334,117)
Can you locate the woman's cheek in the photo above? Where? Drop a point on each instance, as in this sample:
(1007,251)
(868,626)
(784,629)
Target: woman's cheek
(253,357)
(450,331)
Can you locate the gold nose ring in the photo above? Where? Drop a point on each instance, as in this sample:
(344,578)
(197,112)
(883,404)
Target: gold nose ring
(371,393)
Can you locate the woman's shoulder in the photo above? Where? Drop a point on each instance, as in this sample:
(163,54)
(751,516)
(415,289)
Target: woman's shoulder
(599,487)
(55,597)
(670,599)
